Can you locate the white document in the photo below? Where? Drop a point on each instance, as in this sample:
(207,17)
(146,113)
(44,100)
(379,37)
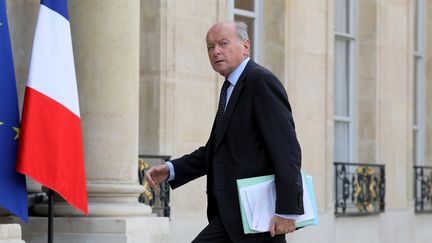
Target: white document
(259,205)
(259,202)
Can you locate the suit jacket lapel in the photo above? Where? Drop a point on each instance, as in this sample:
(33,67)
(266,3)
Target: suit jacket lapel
(233,102)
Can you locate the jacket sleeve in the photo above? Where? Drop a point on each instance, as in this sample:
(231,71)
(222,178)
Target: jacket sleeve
(272,112)
(189,167)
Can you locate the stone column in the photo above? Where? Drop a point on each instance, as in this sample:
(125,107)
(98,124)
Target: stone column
(105,36)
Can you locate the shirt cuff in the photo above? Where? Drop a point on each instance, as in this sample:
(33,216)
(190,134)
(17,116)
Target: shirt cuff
(287,216)
(171,171)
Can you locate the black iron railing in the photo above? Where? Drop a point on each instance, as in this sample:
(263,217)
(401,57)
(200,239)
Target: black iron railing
(423,189)
(159,200)
(359,188)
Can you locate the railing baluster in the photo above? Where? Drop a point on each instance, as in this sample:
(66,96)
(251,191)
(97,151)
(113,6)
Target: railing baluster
(422,189)
(363,188)
(159,201)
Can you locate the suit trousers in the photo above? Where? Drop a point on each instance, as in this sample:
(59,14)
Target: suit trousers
(215,232)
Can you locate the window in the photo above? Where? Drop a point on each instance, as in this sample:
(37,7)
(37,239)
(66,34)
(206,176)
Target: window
(344,83)
(418,87)
(249,12)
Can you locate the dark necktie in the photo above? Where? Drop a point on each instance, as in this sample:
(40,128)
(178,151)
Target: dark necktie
(221,109)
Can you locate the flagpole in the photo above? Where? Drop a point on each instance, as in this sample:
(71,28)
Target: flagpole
(50,215)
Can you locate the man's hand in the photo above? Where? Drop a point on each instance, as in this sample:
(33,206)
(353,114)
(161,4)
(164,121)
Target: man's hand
(280,226)
(157,174)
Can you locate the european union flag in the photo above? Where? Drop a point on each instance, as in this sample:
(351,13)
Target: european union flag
(13,192)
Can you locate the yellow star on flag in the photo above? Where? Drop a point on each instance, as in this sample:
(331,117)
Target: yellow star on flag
(17,130)
(1,123)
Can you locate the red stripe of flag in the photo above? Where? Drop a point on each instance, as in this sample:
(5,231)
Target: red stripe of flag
(51,150)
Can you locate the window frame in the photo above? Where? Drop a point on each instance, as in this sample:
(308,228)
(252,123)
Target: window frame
(257,17)
(350,36)
(419,83)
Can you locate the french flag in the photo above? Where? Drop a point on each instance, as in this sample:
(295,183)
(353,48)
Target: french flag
(51,148)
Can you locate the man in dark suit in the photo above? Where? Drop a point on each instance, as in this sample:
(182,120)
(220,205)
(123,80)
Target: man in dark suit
(253,135)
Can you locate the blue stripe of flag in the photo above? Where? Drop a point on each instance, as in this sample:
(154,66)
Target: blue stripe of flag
(13,192)
(59,6)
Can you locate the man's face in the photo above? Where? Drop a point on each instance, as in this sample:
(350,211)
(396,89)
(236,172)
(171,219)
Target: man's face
(225,50)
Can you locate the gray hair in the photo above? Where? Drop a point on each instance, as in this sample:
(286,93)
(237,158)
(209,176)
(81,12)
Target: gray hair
(241,31)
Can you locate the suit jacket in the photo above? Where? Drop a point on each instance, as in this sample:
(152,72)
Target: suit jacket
(258,138)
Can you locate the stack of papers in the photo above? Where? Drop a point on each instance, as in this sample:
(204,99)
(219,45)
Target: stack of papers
(257,198)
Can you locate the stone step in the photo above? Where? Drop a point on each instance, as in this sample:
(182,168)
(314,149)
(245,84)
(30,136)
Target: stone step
(10,233)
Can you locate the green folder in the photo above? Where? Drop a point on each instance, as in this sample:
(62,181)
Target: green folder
(241,183)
